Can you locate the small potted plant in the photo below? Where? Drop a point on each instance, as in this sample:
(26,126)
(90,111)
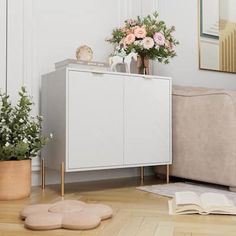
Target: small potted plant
(20,140)
(147,36)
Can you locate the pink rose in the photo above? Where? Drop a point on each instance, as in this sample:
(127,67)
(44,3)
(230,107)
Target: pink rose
(135,27)
(129,39)
(148,42)
(159,38)
(140,32)
(132,22)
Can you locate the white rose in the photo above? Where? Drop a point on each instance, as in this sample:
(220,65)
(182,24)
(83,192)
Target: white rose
(148,42)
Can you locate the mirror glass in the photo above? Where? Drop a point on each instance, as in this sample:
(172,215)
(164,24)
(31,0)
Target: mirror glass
(217,39)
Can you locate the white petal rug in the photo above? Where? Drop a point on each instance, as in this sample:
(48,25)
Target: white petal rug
(169,190)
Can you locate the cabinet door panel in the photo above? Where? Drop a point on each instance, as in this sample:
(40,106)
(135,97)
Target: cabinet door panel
(95,137)
(147,121)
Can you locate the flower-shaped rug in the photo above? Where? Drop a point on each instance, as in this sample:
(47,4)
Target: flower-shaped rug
(67,214)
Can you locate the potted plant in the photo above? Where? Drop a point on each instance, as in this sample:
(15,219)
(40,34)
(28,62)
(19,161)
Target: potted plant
(147,36)
(20,140)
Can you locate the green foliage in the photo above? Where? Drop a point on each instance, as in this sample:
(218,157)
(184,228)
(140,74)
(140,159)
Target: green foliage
(152,25)
(20,136)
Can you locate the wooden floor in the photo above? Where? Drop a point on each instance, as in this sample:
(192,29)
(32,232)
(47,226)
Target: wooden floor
(135,212)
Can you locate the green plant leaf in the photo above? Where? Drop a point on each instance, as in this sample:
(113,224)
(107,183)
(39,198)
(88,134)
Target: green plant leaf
(20,133)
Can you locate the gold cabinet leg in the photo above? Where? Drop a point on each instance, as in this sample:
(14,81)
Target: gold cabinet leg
(167,174)
(42,174)
(62,179)
(141,173)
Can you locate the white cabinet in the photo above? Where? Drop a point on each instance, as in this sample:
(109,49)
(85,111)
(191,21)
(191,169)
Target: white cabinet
(104,120)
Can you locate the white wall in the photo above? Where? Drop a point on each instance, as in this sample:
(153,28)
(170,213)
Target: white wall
(184,69)
(3,45)
(42,32)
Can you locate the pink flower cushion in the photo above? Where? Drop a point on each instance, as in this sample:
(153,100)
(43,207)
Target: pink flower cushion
(67,214)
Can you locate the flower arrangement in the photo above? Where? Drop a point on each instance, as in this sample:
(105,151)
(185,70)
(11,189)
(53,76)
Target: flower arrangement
(147,36)
(19,132)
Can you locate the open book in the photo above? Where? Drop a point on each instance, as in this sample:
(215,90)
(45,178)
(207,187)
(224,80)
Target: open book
(206,203)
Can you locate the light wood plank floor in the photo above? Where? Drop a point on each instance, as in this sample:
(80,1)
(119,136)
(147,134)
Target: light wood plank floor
(135,212)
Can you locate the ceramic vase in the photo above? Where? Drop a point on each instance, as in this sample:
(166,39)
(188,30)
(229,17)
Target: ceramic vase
(143,65)
(15,179)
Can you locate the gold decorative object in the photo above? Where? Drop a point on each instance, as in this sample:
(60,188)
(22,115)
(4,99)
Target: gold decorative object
(84,53)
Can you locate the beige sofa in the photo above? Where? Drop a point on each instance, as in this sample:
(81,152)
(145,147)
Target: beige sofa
(204,135)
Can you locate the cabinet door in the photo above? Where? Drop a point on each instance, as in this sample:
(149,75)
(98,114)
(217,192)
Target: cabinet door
(147,121)
(95,120)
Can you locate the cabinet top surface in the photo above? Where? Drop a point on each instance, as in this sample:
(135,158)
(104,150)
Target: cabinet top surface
(68,69)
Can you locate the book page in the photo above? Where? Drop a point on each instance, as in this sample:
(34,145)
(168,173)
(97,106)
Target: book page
(226,210)
(187,198)
(211,200)
(182,209)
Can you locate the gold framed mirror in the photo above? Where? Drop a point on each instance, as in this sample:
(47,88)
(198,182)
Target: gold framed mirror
(217,35)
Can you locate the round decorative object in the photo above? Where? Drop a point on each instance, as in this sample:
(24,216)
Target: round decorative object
(84,53)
